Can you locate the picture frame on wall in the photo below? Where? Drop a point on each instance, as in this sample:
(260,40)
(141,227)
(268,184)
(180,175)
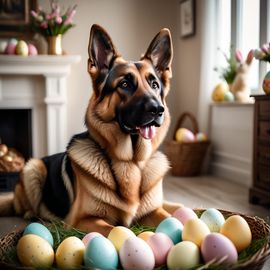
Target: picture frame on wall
(15,17)
(187,18)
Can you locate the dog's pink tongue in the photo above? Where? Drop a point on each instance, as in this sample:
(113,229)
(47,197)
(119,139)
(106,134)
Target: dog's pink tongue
(148,132)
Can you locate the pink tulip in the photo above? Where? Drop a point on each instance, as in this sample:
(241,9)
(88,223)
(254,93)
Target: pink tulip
(44,25)
(238,56)
(34,14)
(59,20)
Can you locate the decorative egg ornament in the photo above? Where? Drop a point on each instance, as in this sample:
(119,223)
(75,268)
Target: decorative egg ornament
(22,48)
(40,230)
(34,251)
(266,83)
(219,92)
(184,135)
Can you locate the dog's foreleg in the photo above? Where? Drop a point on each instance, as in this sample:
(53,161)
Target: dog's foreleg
(171,206)
(154,218)
(94,224)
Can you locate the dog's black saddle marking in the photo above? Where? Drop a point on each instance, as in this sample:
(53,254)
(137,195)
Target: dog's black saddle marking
(55,194)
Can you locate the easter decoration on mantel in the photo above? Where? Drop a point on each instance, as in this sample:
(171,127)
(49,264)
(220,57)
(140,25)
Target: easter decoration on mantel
(263,54)
(188,239)
(235,86)
(53,25)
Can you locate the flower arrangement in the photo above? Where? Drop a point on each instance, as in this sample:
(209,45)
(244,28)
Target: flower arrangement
(53,23)
(263,53)
(229,72)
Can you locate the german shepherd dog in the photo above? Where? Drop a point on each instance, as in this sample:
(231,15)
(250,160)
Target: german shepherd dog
(111,174)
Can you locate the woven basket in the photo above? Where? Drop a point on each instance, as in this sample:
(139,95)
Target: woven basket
(259,228)
(186,158)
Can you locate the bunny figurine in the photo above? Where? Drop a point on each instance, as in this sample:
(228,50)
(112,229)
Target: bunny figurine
(240,87)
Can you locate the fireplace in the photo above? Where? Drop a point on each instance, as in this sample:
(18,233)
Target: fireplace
(16,130)
(33,105)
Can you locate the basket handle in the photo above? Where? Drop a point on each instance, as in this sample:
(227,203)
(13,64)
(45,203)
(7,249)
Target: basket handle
(182,119)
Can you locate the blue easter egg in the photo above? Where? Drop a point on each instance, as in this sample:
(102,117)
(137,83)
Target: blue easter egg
(40,230)
(101,254)
(172,227)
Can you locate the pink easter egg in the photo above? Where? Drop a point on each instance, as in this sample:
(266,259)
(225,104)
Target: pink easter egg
(184,214)
(11,48)
(88,237)
(160,244)
(32,50)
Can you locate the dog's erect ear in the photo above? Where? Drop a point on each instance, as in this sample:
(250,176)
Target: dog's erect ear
(160,51)
(100,49)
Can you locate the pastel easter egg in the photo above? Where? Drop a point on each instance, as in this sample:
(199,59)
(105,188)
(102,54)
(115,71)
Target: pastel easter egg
(34,251)
(228,96)
(145,235)
(219,91)
(88,237)
(184,135)
(70,253)
(10,48)
(213,219)
(238,231)
(195,230)
(22,48)
(101,254)
(118,235)
(266,83)
(201,137)
(32,50)
(40,230)
(184,255)
(183,214)
(172,227)
(136,254)
(216,246)
(160,244)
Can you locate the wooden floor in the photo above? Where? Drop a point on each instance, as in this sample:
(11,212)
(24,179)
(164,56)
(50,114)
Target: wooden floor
(214,192)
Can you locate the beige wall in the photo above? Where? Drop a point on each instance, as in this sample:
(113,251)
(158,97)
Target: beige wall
(132,24)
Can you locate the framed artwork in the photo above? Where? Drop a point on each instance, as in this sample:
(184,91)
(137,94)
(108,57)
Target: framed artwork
(187,18)
(15,17)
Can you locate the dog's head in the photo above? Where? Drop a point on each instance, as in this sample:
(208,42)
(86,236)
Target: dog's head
(130,93)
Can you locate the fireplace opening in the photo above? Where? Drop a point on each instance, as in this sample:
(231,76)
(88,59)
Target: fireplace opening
(16,145)
(16,130)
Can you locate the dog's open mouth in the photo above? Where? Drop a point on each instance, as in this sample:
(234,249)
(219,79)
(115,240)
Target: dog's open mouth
(147,132)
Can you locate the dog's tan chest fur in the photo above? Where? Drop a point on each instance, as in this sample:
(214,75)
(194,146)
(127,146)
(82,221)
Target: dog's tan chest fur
(125,184)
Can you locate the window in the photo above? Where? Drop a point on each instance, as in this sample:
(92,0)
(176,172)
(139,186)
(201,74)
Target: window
(243,24)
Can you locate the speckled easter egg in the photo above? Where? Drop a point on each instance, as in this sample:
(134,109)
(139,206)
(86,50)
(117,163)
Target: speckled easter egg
(266,83)
(213,219)
(34,251)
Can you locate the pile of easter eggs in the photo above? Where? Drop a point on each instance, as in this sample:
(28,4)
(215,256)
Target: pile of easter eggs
(181,241)
(20,47)
(221,93)
(185,135)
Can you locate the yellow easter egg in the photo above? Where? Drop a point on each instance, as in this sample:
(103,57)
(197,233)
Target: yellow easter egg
(195,230)
(21,48)
(184,135)
(118,235)
(69,253)
(220,91)
(238,231)
(34,251)
(145,235)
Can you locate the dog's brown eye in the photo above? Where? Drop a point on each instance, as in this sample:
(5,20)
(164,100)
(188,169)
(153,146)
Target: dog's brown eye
(123,84)
(155,85)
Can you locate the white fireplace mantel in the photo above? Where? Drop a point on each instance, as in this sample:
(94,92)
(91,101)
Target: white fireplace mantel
(55,70)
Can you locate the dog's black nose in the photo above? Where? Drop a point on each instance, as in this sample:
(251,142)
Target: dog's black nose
(154,107)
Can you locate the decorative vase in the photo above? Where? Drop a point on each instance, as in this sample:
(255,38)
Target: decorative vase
(266,83)
(55,45)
